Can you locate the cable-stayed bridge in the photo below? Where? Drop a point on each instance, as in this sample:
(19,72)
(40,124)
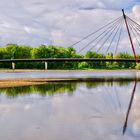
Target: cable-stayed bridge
(106,38)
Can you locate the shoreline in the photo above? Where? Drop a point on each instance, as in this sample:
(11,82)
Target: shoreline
(96,70)
(7,83)
(16,82)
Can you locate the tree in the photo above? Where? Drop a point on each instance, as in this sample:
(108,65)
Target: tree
(19,52)
(125,65)
(97,65)
(83,65)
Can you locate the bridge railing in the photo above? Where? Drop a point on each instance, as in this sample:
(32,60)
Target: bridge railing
(46,60)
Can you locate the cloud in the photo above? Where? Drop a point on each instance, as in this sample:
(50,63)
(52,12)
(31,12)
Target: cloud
(32,5)
(136,11)
(35,22)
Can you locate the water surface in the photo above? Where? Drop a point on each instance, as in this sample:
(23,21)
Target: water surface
(70,74)
(71,111)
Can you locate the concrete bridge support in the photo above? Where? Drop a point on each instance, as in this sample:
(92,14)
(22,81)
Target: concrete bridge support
(13,65)
(46,65)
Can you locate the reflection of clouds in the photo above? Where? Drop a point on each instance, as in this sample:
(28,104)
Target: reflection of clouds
(5,108)
(99,89)
(27,107)
(91,114)
(136,127)
(136,115)
(8,109)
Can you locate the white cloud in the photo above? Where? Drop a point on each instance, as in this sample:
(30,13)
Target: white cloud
(136,11)
(35,22)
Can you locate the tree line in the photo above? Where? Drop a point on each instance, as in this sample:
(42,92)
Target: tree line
(14,51)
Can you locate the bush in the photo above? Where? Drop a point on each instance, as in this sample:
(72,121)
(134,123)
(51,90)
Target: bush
(83,65)
(138,66)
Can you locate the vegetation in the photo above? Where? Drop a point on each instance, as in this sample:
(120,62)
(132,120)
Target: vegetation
(138,66)
(14,51)
(51,89)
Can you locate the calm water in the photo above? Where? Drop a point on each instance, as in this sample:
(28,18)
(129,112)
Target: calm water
(71,111)
(55,74)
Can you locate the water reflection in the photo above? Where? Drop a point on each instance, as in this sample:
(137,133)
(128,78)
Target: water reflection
(43,90)
(129,107)
(71,110)
(56,88)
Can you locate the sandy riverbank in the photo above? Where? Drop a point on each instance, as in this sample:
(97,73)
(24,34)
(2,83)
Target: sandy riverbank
(30,81)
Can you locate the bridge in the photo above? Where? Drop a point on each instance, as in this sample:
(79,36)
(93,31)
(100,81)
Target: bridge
(46,60)
(67,59)
(106,37)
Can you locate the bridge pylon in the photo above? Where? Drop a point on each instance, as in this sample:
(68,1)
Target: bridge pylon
(130,38)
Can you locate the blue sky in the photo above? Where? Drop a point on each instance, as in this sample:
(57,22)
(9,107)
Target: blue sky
(34,22)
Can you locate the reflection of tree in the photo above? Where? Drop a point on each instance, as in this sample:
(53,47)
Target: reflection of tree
(125,81)
(59,87)
(15,91)
(54,88)
(94,82)
(44,89)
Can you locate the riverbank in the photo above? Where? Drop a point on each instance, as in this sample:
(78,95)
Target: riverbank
(17,78)
(30,81)
(90,70)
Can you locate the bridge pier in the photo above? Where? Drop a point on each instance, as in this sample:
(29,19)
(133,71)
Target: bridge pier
(46,65)
(13,65)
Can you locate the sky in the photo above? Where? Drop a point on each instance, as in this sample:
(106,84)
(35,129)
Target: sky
(62,23)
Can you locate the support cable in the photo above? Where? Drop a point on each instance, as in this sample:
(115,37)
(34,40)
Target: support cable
(133,22)
(134,34)
(95,32)
(114,36)
(108,37)
(91,42)
(111,30)
(135,27)
(120,33)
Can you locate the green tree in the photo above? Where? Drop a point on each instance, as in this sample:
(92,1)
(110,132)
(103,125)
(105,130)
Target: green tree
(111,65)
(97,65)
(125,65)
(14,51)
(83,65)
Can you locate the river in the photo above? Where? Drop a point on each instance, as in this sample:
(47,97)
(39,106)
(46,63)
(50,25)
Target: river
(86,110)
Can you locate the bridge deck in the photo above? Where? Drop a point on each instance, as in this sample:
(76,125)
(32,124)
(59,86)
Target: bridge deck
(67,59)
